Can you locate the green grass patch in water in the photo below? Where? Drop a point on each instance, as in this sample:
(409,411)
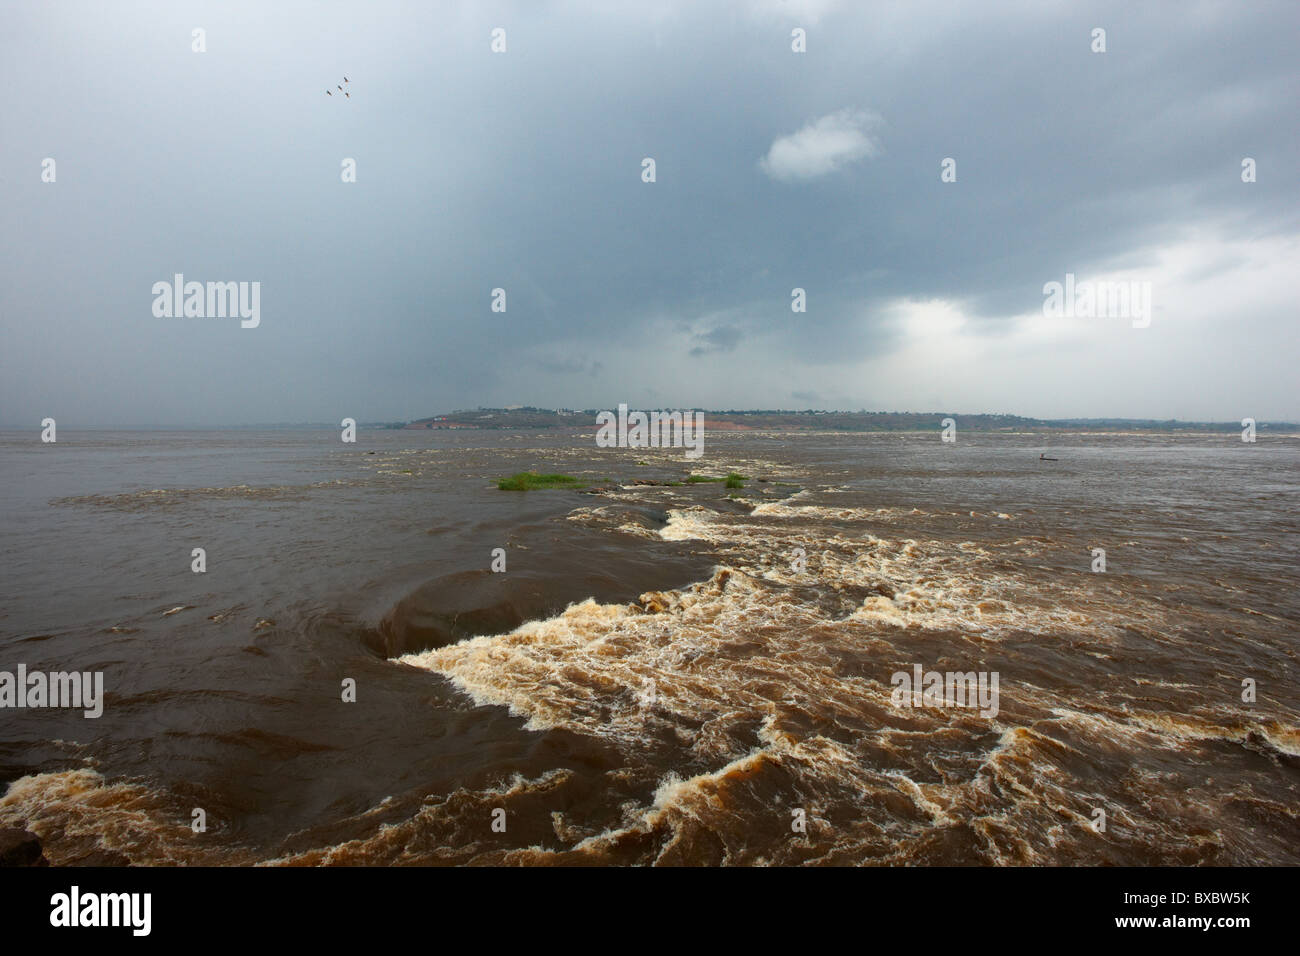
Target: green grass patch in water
(531,481)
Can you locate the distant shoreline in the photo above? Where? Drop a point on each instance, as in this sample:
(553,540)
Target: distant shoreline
(481,419)
(515,419)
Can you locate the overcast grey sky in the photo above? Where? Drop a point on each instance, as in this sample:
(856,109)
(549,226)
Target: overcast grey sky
(523,170)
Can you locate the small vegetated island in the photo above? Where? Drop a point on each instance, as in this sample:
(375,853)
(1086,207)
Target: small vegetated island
(532,481)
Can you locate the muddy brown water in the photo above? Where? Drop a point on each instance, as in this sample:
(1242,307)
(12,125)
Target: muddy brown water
(663,674)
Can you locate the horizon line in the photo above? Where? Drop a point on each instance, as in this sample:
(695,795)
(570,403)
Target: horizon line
(388,424)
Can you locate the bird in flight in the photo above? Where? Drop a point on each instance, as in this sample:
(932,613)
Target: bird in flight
(328,93)
(345,79)
(348,95)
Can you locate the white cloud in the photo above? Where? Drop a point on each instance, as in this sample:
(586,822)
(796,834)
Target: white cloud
(1218,306)
(822,146)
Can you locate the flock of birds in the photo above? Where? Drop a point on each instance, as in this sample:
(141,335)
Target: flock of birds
(341,90)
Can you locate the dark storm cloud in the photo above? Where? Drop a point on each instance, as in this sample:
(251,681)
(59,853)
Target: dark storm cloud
(724,338)
(522,171)
(571,365)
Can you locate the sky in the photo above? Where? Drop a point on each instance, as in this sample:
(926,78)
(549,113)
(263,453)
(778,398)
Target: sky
(523,170)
